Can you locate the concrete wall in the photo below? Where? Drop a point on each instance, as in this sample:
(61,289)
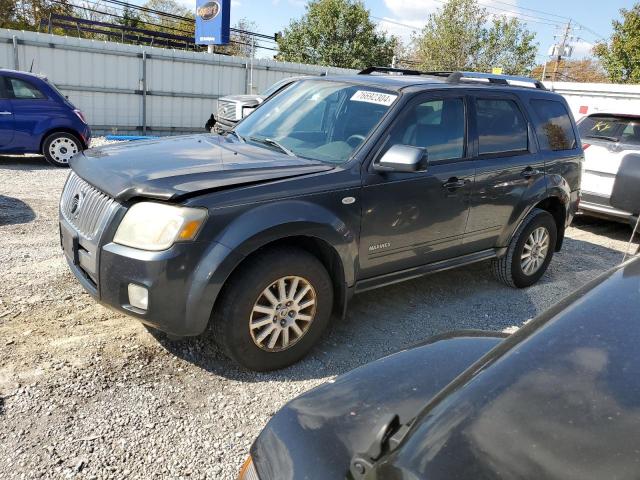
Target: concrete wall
(130,89)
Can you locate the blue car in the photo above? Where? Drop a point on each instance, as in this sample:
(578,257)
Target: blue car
(36,118)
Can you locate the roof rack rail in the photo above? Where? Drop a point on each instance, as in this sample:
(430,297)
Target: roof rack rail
(510,80)
(457,77)
(389,70)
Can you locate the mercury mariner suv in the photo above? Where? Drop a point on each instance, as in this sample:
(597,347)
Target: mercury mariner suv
(334,186)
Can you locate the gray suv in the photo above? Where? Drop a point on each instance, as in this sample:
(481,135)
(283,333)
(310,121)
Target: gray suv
(334,186)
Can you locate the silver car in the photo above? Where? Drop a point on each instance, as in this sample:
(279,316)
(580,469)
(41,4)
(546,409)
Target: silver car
(607,139)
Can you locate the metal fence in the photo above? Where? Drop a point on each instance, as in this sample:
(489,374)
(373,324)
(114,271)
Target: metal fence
(138,89)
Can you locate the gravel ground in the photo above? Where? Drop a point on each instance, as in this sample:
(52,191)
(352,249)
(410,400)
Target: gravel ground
(89,393)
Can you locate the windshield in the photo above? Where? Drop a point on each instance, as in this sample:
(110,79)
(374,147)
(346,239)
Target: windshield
(317,119)
(611,128)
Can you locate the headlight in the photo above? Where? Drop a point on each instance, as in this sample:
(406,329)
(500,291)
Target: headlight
(247,110)
(248,470)
(157,226)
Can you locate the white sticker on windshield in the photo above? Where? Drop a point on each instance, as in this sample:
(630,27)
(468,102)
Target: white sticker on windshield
(385,99)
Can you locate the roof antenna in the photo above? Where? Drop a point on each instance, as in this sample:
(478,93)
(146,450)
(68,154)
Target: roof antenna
(31,67)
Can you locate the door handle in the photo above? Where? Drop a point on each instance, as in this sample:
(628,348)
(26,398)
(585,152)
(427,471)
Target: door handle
(530,172)
(454,183)
(5,113)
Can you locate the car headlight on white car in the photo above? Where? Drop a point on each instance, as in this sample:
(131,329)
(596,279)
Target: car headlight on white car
(156,226)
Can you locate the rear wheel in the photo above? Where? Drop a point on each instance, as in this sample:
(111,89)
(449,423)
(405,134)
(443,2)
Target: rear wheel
(59,148)
(529,252)
(274,309)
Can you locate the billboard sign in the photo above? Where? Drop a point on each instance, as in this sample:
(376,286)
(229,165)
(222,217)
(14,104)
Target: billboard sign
(212,22)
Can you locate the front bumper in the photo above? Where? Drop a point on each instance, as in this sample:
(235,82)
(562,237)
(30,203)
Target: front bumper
(183,282)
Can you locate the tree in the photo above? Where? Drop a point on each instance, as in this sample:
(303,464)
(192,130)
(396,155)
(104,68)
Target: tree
(509,45)
(129,18)
(240,44)
(585,70)
(184,25)
(459,37)
(621,55)
(27,14)
(338,33)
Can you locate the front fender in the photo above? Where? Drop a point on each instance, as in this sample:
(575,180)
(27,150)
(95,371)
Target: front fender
(246,232)
(270,222)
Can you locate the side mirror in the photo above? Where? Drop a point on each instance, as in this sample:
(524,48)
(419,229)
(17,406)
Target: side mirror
(403,158)
(626,194)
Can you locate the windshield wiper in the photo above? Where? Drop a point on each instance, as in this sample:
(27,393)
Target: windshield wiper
(602,137)
(274,143)
(233,132)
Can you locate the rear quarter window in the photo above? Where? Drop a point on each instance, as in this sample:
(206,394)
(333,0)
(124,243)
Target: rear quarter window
(19,89)
(554,128)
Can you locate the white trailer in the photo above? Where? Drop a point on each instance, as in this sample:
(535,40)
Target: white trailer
(587,98)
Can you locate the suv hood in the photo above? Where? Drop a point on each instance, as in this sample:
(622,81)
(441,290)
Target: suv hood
(315,435)
(171,167)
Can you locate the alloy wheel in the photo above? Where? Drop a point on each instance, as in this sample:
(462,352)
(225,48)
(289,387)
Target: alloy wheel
(283,313)
(535,251)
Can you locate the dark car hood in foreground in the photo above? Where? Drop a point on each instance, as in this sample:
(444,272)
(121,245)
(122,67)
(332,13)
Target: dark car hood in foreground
(171,167)
(557,400)
(315,435)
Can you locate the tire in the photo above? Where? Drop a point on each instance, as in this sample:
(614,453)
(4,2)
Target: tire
(245,291)
(58,148)
(511,268)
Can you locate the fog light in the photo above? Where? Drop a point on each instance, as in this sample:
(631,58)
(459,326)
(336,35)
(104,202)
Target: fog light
(138,296)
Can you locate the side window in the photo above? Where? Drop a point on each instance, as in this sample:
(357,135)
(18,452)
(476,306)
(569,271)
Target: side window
(631,134)
(21,90)
(501,127)
(437,125)
(554,131)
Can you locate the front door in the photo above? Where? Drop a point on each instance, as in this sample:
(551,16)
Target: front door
(6,118)
(411,219)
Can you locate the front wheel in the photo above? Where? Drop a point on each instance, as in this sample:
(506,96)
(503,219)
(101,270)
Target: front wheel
(274,309)
(59,148)
(529,252)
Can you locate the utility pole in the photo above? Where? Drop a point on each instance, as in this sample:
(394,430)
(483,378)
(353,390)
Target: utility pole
(560,50)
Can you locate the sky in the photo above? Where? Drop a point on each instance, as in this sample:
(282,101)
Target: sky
(403,17)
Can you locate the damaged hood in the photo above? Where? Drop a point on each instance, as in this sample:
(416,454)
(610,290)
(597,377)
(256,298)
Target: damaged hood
(171,167)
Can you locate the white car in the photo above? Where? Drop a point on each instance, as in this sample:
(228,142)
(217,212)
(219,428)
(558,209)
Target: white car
(607,138)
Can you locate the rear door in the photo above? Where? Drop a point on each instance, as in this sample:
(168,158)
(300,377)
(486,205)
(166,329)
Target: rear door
(507,167)
(6,117)
(606,140)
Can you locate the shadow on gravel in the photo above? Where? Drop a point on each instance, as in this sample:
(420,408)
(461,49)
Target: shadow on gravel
(24,162)
(1,406)
(608,228)
(384,321)
(14,211)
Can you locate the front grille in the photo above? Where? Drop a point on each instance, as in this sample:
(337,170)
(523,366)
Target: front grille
(85,207)
(227,109)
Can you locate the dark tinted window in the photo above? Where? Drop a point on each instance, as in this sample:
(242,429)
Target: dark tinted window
(437,125)
(611,128)
(501,127)
(555,131)
(21,89)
